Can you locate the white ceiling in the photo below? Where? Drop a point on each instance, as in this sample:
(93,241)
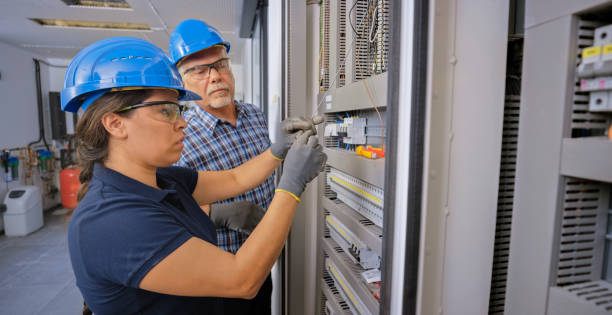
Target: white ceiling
(161,15)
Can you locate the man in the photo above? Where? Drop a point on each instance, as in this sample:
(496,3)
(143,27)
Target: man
(223,133)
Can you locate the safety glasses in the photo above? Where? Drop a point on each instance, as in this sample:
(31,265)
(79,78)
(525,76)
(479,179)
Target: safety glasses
(164,110)
(202,72)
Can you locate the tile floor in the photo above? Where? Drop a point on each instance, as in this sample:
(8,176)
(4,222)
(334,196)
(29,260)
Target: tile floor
(35,272)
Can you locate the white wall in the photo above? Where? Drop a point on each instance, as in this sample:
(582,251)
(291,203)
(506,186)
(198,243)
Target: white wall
(19,108)
(56,76)
(19,117)
(239,79)
(247,70)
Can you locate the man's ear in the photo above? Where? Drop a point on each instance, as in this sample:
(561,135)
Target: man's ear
(114,125)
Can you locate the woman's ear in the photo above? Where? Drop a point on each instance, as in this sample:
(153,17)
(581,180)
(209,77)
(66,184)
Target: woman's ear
(114,125)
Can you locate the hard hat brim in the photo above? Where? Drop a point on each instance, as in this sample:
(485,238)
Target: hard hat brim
(84,100)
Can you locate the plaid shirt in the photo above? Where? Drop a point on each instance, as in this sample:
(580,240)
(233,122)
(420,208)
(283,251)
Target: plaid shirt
(213,144)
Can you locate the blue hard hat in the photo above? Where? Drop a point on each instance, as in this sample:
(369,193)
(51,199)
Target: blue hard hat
(191,36)
(116,63)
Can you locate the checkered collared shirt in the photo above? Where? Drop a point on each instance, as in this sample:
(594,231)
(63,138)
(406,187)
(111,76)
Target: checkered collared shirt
(213,144)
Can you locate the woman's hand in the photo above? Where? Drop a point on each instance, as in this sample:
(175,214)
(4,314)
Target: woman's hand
(304,161)
(220,185)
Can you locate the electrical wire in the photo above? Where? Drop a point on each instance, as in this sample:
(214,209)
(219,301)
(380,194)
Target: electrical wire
(321,45)
(374,25)
(349,15)
(340,67)
(370,11)
(365,85)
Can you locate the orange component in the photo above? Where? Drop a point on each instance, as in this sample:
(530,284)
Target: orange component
(380,152)
(363,152)
(370,152)
(69,186)
(610,133)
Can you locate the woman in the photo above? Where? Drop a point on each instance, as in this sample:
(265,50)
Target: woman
(138,241)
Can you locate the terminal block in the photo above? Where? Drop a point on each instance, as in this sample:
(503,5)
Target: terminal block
(597,59)
(352,130)
(347,291)
(363,197)
(596,84)
(357,250)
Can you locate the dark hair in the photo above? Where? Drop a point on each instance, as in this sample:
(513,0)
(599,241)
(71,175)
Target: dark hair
(92,137)
(86,310)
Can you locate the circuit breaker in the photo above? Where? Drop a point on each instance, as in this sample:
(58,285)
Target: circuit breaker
(352,130)
(595,70)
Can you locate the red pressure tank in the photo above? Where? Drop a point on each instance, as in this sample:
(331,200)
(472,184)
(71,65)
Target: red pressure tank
(69,186)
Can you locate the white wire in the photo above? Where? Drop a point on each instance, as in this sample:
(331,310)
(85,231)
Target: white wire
(373,25)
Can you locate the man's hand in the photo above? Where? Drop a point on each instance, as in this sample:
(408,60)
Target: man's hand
(288,129)
(241,216)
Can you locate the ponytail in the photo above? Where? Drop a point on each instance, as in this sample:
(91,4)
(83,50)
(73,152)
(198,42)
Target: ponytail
(86,310)
(84,177)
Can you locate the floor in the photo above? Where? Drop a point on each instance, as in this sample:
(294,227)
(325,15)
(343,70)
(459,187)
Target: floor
(35,272)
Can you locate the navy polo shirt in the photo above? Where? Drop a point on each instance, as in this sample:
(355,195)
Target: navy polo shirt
(122,228)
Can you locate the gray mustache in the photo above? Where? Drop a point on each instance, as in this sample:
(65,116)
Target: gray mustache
(216,87)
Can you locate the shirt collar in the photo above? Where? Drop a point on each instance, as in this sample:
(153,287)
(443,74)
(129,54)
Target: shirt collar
(127,184)
(209,121)
(242,113)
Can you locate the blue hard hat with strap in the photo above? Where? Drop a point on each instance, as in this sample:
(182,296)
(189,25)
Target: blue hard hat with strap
(191,36)
(115,64)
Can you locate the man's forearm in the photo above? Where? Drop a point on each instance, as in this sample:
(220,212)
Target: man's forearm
(252,173)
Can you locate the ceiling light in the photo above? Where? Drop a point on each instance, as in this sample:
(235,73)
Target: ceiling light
(98,3)
(92,24)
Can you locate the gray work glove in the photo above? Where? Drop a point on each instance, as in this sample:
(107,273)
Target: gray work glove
(287,132)
(241,216)
(304,161)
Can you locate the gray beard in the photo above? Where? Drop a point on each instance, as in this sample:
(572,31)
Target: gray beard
(221,103)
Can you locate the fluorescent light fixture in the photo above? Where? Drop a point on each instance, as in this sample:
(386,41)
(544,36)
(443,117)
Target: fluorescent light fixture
(98,3)
(92,24)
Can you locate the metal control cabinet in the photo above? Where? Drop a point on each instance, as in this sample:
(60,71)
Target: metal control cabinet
(350,197)
(563,170)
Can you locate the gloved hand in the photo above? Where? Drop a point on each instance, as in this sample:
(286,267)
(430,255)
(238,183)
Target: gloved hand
(241,216)
(288,129)
(303,163)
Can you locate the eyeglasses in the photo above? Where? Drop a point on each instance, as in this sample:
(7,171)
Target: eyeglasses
(165,110)
(202,72)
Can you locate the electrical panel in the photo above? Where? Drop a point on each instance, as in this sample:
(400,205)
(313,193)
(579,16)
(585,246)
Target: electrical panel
(572,192)
(584,208)
(581,241)
(354,48)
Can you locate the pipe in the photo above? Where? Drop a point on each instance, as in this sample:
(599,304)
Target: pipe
(41,123)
